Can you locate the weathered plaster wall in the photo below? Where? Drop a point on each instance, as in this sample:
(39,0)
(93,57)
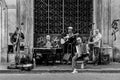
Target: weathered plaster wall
(7,25)
(3,31)
(106,12)
(103,22)
(103,17)
(11,17)
(115,14)
(26,17)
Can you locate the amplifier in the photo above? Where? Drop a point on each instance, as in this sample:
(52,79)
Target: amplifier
(105,59)
(106,51)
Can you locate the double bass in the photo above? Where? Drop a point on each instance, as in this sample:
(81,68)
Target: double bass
(16,36)
(15,40)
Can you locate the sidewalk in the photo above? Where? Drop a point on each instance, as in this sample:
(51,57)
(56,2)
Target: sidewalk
(109,68)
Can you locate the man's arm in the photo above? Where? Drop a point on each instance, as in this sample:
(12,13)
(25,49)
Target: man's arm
(99,37)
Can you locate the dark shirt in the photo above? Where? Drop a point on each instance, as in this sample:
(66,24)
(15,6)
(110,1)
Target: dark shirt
(91,45)
(14,37)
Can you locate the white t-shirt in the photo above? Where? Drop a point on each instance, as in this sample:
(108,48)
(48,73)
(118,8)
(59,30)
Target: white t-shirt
(97,40)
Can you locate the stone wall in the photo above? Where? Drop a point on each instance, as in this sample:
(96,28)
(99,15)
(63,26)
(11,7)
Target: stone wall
(8,24)
(115,14)
(26,17)
(11,4)
(18,11)
(102,20)
(107,11)
(3,31)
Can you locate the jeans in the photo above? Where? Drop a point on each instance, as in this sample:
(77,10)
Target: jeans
(74,62)
(84,57)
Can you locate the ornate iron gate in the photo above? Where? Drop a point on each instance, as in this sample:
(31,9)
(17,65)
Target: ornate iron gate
(54,16)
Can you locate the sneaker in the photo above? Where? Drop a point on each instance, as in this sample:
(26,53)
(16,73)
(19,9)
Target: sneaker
(75,71)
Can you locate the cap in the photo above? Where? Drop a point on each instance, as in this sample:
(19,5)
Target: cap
(78,38)
(70,28)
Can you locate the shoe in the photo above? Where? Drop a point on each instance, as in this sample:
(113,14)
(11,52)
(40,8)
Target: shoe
(75,71)
(82,66)
(96,64)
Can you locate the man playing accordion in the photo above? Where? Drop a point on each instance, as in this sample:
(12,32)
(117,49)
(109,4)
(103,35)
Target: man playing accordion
(82,52)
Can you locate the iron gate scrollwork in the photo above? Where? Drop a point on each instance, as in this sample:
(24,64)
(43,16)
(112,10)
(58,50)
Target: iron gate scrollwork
(54,16)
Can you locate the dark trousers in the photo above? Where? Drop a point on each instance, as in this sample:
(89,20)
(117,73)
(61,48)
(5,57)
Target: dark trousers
(97,55)
(17,53)
(69,48)
(74,61)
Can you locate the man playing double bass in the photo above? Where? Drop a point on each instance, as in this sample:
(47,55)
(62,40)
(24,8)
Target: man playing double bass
(15,40)
(97,44)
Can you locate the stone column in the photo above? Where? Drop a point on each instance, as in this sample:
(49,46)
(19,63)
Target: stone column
(26,17)
(94,14)
(3,32)
(18,12)
(0,28)
(4,36)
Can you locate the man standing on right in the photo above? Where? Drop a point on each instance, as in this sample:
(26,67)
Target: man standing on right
(97,43)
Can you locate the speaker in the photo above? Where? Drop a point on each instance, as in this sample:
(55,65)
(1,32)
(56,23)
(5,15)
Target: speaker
(105,59)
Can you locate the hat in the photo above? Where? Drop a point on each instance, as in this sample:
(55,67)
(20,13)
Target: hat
(78,38)
(70,28)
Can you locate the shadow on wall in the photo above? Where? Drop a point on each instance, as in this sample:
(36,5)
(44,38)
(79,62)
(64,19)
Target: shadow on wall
(116,54)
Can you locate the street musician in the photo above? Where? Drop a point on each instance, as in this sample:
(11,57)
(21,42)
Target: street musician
(69,39)
(15,40)
(97,44)
(69,44)
(82,52)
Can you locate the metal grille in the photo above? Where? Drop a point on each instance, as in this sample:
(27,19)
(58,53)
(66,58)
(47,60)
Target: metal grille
(54,16)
